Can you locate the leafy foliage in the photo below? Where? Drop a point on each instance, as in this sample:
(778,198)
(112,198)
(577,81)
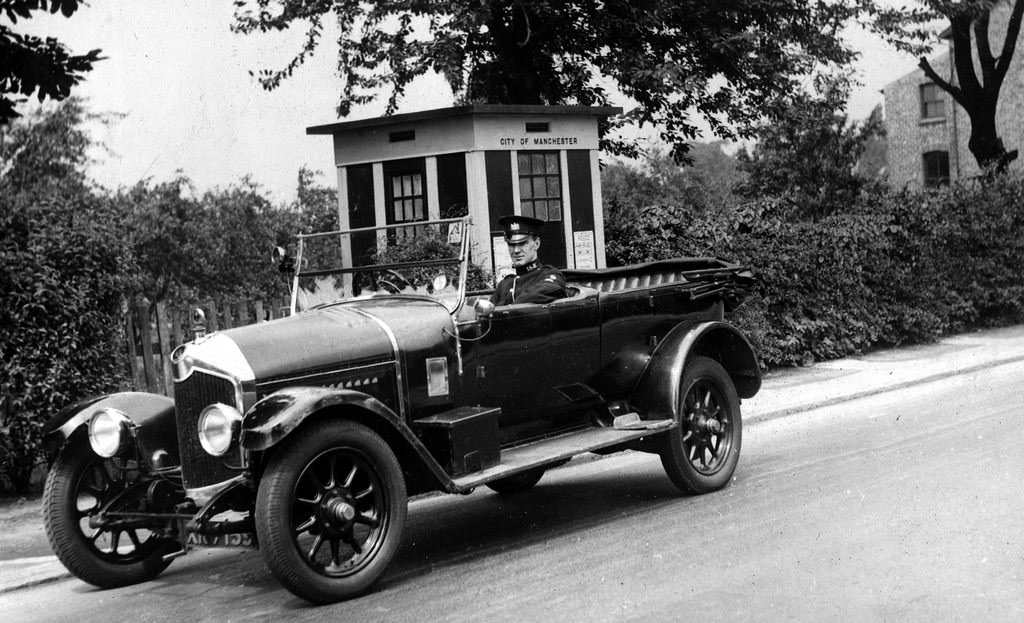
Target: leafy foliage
(895,267)
(704,183)
(191,248)
(33,65)
(430,244)
(73,255)
(722,62)
(63,266)
(809,157)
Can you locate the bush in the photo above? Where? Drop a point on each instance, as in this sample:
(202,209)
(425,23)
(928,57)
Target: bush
(63,268)
(62,275)
(893,268)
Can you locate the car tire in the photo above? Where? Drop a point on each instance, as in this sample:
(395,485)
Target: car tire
(80,483)
(700,455)
(330,511)
(519,482)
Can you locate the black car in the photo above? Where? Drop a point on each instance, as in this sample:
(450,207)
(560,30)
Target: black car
(306,435)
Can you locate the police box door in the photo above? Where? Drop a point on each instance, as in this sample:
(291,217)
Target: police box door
(540,196)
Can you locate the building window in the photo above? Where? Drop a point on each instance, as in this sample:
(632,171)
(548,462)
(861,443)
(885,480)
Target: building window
(540,185)
(933,104)
(408,201)
(936,168)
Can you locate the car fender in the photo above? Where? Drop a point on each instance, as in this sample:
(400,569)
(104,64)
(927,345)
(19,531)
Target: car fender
(153,415)
(657,392)
(273,418)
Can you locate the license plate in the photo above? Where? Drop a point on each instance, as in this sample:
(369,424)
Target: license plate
(235,539)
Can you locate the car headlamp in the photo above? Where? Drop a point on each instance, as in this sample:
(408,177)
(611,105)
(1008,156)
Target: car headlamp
(218,424)
(109,430)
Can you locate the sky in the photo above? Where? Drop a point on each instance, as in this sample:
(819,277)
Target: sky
(178,80)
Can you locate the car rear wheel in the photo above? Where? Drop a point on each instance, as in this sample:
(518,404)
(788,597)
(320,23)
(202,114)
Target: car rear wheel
(701,454)
(78,487)
(330,511)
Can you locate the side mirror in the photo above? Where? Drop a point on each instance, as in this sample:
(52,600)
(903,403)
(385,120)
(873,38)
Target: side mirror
(483,308)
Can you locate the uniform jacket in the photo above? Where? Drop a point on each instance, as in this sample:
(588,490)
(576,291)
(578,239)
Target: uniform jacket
(533,283)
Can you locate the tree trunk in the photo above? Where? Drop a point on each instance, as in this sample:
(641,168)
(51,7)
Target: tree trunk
(979,97)
(984,143)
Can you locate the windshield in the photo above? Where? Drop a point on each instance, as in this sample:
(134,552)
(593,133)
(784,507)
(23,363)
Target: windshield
(428,258)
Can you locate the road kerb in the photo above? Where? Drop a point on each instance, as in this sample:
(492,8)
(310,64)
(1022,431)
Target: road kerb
(879,389)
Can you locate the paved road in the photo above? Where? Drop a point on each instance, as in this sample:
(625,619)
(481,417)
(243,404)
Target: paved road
(905,506)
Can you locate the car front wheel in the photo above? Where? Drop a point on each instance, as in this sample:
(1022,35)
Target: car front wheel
(700,455)
(330,511)
(81,488)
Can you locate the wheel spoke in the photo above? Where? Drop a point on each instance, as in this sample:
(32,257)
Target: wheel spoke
(354,543)
(305,525)
(314,480)
(315,547)
(365,492)
(689,404)
(335,553)
(351,476)
(115,540)
(332,467)
(134,538)
(367,520)
(92,491)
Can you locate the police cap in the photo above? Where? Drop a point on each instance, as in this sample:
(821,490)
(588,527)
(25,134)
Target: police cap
(518,228)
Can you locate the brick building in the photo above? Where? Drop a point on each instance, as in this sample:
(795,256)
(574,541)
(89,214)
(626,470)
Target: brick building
(928,131)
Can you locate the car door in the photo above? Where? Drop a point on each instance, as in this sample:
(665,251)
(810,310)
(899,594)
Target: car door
(534,362)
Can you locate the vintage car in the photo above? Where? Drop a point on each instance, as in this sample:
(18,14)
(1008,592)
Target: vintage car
(305,436)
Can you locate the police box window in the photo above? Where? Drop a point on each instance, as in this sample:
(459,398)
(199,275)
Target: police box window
(933,105)
(936,168)
(540,185)
(407,200)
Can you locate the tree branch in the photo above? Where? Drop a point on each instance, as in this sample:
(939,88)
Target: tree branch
(945,85)
(1010,43)
(962,58)
(984,47)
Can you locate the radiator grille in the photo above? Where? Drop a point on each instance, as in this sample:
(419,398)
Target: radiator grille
(191,396)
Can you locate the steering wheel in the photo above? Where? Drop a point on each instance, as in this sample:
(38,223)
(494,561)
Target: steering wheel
(394,282)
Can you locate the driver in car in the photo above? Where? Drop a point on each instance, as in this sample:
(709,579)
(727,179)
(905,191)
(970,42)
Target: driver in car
(533,282)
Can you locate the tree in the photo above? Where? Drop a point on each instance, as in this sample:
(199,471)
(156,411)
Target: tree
(33,65)
(317,204)
(189,247)
(809,157)
(720,61)
(703,184)
(979,97)
(63,270)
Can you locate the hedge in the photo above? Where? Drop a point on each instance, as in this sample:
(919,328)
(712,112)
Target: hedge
(62,272)
(897,267)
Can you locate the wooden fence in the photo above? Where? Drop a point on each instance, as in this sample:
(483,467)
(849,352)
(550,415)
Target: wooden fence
(153,331)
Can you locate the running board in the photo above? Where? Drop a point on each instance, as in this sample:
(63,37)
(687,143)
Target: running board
(525,457)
